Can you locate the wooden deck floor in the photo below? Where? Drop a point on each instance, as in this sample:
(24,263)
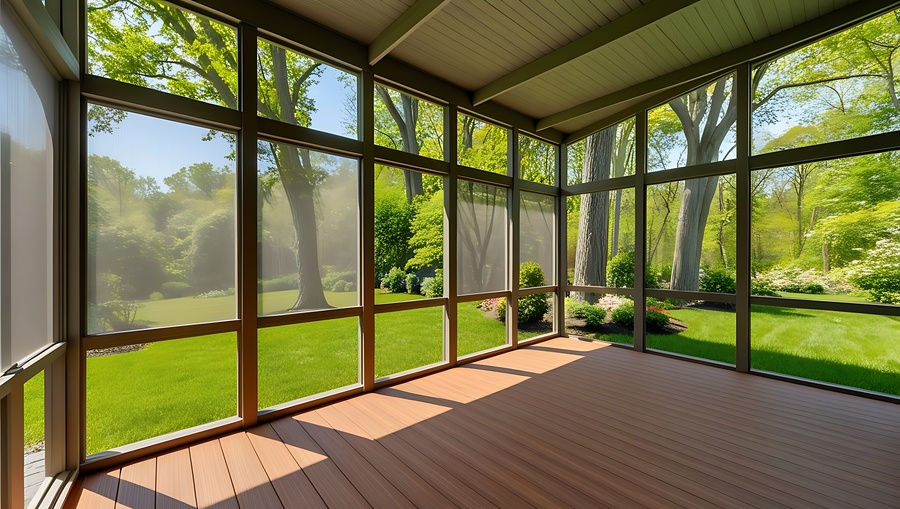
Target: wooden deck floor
(565,423)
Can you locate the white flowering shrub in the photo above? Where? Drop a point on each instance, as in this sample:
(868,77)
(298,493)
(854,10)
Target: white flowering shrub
(879,271)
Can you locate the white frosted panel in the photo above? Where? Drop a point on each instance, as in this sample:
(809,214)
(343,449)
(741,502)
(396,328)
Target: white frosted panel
(28,129)
(536,233)
(481,238)
(161,223)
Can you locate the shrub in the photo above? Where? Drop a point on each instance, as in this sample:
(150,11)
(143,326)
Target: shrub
(717,280)
(531,275)
(592,315)
(333,277)
(883,285)
(412,283)
(624,314)
(666,304)
(532,308)
(813,288)
(657,318)
(763,287)
(215,293)
(658,274)
(156,296)
(435,286)
(501,309)
(488,304)
(879,271)
(280,283)
(338,286)
(349,286)
(394,281)
(620,271)
(426,284)
(175,289)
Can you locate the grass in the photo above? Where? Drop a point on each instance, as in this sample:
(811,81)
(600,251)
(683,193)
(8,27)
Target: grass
(843,348)
(173,385)
(833,297)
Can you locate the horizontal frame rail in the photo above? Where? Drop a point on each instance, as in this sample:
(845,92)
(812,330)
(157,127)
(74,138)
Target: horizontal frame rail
(115,339)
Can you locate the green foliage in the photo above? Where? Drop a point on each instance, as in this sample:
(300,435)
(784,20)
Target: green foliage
(427,240)
(879,271)
(280,283)
(620,270)
(763,287)
(718,281)
(592,315)
(433,287)
(394,281)
(532,308)
(624,314)
(412,283)
(482,145)
(156,296)
(657,319)
(393,230)
(667,304)
(337,281)
(176,289)
(501,309)
(537,160)
(530,275)
(812,288)
(212,255)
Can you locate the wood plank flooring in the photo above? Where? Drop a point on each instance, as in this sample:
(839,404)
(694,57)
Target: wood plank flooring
(565,423)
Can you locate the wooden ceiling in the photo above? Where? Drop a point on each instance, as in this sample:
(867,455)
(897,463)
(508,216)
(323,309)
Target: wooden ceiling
(567,63)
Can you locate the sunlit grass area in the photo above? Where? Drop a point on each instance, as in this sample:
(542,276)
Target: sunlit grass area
(856,350)
(475,332)
(842,348)
(164,387)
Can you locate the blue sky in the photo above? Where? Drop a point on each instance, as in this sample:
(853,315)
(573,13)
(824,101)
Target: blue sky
(159,148)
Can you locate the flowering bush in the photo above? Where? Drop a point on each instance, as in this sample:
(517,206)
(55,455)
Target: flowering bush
(488,304)
(657,318)
(795,280)
(879,271)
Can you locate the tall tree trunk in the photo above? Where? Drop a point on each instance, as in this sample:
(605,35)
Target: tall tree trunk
(616,220)
(695,201)
(294,170)
(705,121)
(721,231)
(593,219)
(406,121)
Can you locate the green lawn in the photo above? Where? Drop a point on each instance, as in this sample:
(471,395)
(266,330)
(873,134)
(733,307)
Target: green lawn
(173,385)
(843,348)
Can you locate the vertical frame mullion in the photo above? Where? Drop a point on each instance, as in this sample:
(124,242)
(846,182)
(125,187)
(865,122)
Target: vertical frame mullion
(367,231)
(562,255)
(248,381)
(12,459)
(743,199)
(512,207)
(640,231)
(451,286)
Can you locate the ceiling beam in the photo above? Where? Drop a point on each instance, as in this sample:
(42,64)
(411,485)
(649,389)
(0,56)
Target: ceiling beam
(643,16)
(414,17)
(770,46)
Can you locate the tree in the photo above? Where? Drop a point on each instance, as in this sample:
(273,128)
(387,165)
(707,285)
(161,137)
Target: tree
(706,115)
(157,45)
(593,233)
